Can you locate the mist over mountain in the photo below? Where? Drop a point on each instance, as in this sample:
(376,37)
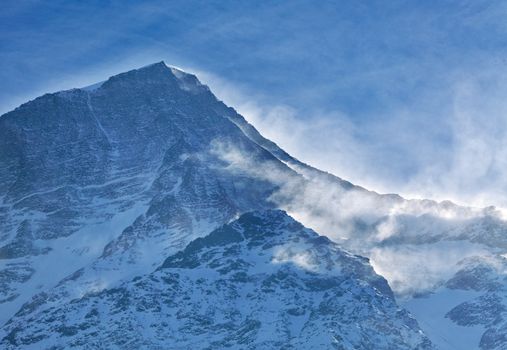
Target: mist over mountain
(142,212)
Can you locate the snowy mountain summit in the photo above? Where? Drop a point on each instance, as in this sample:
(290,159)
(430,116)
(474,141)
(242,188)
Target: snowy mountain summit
(142,212)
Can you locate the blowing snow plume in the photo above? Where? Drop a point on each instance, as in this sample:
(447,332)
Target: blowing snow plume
(416,244)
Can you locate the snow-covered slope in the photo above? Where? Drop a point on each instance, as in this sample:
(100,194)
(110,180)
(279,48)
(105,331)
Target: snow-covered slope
(261,282)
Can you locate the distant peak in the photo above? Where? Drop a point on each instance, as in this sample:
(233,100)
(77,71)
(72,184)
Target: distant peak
(158,72)
(156,67)
(160,64)
(176,71)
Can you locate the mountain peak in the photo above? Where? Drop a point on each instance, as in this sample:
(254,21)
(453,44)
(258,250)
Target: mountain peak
(156,64)
(153,68)
(158,73)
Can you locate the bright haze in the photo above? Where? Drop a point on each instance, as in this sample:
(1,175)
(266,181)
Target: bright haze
(405,97)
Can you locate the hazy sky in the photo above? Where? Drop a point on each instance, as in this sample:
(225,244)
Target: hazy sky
(398,96)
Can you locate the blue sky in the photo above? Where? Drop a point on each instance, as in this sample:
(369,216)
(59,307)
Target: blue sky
(399,96)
